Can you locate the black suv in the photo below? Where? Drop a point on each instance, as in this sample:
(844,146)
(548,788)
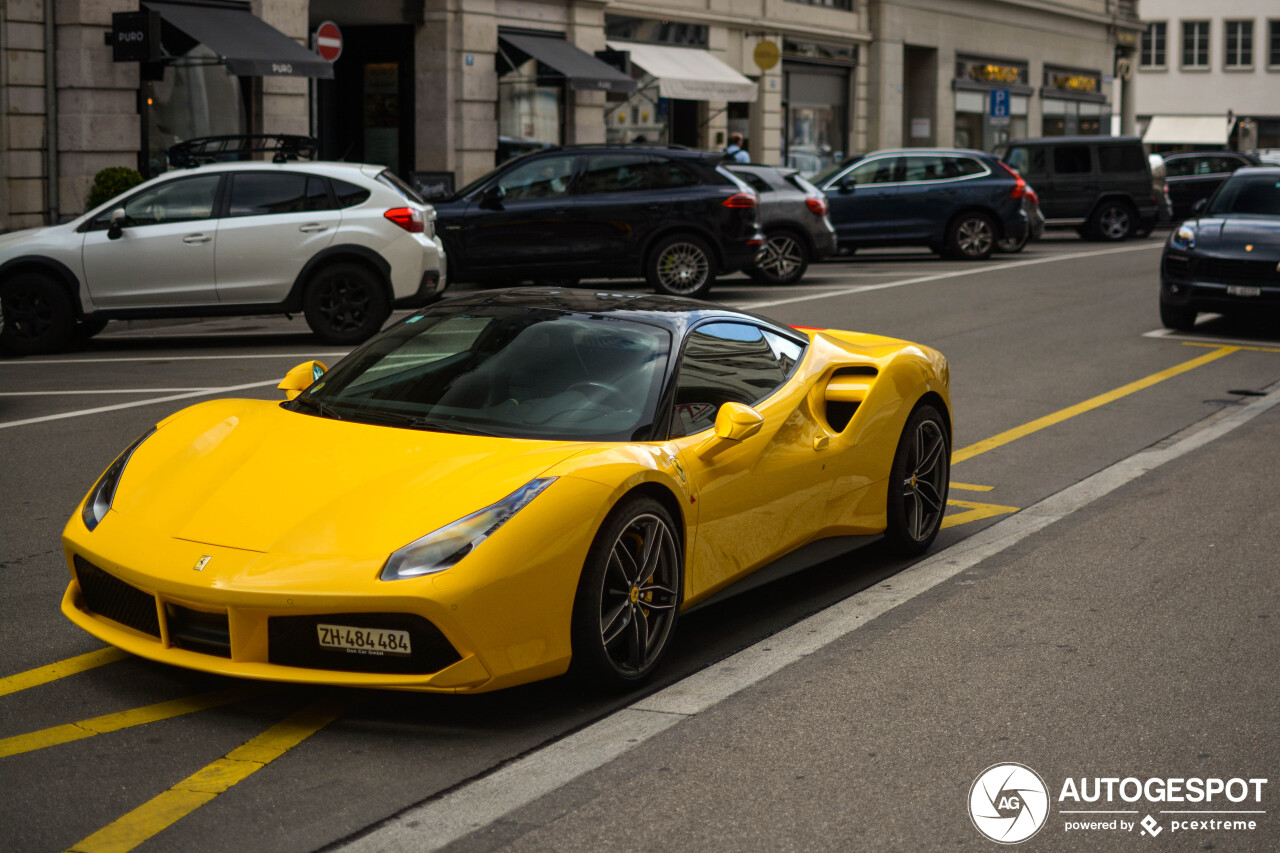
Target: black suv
(672,215)
(1100,185)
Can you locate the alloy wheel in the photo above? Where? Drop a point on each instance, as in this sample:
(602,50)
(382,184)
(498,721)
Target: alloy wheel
(27,313)
(1114,223)
(683,268)
(639,596)
(974,237)
(782,257)
(343,302)
(925,480)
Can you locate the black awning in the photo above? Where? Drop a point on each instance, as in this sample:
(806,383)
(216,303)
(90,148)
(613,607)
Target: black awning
(249,46)
(581,69)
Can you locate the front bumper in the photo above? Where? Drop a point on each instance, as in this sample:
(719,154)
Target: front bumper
(1220,284)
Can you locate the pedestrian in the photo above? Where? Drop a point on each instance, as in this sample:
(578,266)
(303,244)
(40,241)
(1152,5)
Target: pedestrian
(735,149)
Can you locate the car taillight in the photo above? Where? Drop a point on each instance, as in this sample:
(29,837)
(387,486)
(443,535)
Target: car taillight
(1020,188)
(741,200)
(407,218)
(1031,195)
(818,204)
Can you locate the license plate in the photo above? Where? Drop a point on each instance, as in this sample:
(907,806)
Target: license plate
(1243,290)
(364,641)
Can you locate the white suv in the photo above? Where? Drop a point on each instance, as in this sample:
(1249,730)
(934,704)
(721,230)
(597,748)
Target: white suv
(341,243)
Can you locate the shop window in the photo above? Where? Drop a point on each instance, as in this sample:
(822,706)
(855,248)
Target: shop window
(530,109)
(1152,51)
(197,97)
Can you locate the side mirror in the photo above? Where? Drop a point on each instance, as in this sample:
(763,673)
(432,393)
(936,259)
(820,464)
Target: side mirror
(847,183)
(734,422)
(118,218)
(1199,206)
(493,196)
(300,378)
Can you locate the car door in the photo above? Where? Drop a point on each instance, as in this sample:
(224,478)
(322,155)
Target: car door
(522,220)
(164,253)
(760,497)
(275,222)
(618,200)
(861,201)
(934,186)
(1073,186)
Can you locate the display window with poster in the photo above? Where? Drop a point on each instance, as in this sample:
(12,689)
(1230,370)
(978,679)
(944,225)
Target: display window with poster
(977,79)
(1074,104)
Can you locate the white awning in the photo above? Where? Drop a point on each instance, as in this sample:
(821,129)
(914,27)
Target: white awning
(688,73)
(1187,130)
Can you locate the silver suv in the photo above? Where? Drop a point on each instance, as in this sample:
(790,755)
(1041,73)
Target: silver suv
(342,243)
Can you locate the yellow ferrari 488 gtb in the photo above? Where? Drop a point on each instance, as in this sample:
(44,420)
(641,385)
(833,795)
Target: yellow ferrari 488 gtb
(506,486)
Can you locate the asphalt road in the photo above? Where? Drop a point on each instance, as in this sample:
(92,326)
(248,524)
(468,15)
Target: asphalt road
(1135,636)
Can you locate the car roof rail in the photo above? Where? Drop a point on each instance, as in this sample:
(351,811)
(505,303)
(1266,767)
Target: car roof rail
(215,149)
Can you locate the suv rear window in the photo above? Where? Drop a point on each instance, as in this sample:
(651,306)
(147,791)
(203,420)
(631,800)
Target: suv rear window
(349,195)
(392,180)
(1120,159)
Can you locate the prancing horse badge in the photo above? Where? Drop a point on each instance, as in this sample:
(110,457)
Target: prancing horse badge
(201,563)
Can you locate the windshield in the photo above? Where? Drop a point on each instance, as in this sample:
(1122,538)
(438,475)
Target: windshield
(509,371)
(1250,194)
(831,171)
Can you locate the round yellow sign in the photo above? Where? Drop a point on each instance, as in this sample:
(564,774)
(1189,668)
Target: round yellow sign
(766,54)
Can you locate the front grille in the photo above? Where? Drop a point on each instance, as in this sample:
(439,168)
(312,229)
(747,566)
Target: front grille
(1177,266)
(197,631)
(1233,271)
(112,598)
(294,641)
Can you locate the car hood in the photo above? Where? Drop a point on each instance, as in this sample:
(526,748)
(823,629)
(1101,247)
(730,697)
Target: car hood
(1229,235)
(250,475)
(16,237)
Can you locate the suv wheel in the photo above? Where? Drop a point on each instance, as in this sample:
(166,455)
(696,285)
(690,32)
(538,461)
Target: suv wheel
(1113,220)
(784,260)
(1181,318)
(971,237)
(38,315)
(345,304)
(681,265)
(1012,245)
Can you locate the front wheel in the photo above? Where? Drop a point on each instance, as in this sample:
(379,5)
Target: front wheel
(784,260)
(1113,221)
(971,237)
(681,265)
(1180,318)
(38,315)
(918,483)
(628,597)
(345,304)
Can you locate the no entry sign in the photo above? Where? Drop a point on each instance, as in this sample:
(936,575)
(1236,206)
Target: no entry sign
(329,41)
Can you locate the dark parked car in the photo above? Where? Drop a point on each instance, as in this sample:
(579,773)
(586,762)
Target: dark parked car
(793,216)
(674,216)
(1195,175)
(957,202)
(1035,224)
(1227,257)
(1100,185)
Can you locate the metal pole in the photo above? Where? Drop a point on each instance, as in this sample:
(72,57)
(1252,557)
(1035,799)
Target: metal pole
(50,113)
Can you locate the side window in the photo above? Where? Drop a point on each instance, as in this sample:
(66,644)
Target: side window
(668,174)
(545,177)
(1220,165)
(727,363)
(318,194)
(1178,168)
(754,181)
(1071,160)
(349,195)
(1029,162)
(182,200)
(616,173)
(959,167)
(922,168)
(264,193)
(878,171)
(1120,159)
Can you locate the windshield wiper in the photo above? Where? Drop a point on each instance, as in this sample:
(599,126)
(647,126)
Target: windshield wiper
(424,423)
(320,408)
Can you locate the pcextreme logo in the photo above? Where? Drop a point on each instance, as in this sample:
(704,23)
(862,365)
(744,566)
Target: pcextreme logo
(1008,803)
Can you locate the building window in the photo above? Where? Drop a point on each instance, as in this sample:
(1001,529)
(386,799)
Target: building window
(1152,54)
(846,5)
(1273,43)
(1195,44)
(1239,44)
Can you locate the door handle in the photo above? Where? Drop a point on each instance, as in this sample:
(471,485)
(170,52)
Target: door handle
(192,239)
(312,227)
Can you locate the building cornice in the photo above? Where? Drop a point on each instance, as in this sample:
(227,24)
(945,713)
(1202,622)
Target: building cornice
(752,24)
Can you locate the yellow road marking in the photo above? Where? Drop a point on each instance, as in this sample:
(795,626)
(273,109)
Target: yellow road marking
(61,669)
(202,786)
(1088,405)
(969,487)
(19,744)
(1241,346)
(974,512)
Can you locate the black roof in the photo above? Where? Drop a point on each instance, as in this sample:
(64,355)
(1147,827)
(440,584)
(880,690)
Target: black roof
(674,313)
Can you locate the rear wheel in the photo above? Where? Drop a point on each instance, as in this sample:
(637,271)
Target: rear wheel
(918,482)
(1181,318)
(1012,245)
(681,265)
(1112,221)
(628,598)
(784,260)
(971,237)
(38,315)
(345,304)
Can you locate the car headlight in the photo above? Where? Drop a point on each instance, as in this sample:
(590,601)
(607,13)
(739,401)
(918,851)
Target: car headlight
(104,491)
(1184,237)
(437,551)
